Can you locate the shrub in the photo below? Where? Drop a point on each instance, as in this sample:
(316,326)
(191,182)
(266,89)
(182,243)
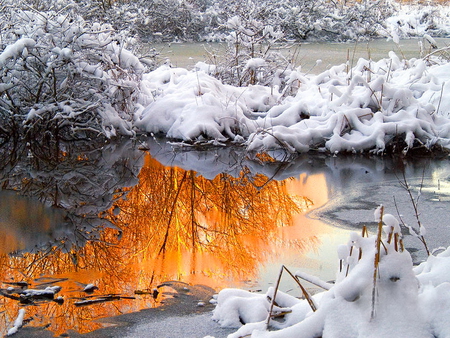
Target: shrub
(61,77)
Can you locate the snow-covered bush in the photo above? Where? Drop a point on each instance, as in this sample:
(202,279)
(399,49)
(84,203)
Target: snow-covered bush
(308,19)
(299,20)
(251,57)
(391,105)
(418,21)
(194,106)
(63,77)
(328,20)
(377,293)
(156,21)
(385,106)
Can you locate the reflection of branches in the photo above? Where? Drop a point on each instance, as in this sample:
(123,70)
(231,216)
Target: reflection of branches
(233,219)
(172,225)
(81,179)
(172,212)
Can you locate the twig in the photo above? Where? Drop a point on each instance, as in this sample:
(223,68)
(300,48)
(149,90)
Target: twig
(377,259)
(305,292)
(308,297)
(274,296)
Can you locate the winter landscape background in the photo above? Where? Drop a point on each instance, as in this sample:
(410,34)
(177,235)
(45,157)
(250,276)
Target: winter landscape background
(72,71)
(78,76)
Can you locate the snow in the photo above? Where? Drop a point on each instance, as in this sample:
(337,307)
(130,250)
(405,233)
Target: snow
(314,280)
(16,49)
(374,106)
(361,110)
(192,104)
(404,301)
(417,20)
(17,323)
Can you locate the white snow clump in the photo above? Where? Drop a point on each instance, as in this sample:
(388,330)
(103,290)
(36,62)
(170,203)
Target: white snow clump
(404,302)
(390,103)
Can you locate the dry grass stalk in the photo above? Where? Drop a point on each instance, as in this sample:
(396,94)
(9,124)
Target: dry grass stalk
(364,233)
(272,303)
(305,293)
(377,259)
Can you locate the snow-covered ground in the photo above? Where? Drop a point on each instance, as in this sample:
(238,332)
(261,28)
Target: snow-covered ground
(378,293)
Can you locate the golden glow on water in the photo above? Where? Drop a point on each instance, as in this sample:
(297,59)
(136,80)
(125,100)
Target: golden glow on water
(174,225)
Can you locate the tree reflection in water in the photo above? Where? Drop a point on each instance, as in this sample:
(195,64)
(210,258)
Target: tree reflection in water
(184,226)
(172,225)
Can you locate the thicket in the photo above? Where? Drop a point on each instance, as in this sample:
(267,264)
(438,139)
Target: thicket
(69,68)
(63,78)
(207,20)
(199,20)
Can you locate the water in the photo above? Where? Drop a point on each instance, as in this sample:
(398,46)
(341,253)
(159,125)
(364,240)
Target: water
(128,220)
(313,57)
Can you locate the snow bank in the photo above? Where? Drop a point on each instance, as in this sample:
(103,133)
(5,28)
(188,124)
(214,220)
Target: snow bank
(389,105)
(190,105)
(372,297)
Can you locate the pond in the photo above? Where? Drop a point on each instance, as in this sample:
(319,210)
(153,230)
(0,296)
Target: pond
(313,57)
(123,218)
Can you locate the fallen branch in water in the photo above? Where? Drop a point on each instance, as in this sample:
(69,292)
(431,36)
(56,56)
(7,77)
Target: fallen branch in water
(101,299)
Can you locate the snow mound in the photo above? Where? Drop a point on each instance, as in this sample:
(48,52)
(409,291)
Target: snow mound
(190,105)
(388,105)
(377,293)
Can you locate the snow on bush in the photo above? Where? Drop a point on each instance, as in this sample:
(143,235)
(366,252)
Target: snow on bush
(252,55)
(418,21)
(192,105)
(388,105)
(62,75)
(376,105)
(201,20)
(377,293)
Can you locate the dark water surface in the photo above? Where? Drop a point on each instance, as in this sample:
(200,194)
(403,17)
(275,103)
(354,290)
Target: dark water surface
(130,216)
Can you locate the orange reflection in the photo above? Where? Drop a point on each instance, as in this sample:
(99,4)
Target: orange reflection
(316,188)
(174,225)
